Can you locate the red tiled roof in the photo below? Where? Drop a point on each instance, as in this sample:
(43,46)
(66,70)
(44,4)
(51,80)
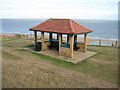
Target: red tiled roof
(67,26)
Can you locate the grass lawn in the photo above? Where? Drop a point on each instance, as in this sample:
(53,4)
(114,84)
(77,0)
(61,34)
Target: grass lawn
(23,68)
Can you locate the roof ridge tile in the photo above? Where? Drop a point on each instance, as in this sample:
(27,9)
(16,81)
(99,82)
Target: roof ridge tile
(71,26)
(59,19)
(81,25)
(39,24)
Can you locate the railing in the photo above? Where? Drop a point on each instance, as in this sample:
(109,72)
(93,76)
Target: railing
(104,43)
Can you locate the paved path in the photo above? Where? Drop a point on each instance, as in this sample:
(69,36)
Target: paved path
(11,41)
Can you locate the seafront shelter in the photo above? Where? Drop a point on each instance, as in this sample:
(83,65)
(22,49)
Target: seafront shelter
(61,27)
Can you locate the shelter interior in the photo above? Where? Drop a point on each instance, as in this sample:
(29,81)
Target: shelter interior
(64,48)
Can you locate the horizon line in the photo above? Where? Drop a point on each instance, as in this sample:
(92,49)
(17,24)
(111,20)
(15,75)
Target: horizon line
(59,18)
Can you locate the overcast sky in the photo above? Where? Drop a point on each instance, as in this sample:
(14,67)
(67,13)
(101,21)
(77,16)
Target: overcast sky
(74,9)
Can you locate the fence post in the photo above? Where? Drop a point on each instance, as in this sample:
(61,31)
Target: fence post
(116,43)
(27,36)
(30,35)
(100,43)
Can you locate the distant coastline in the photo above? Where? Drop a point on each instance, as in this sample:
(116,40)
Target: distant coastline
(91,41)
(98,38)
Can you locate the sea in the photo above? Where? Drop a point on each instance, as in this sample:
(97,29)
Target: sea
(103,29)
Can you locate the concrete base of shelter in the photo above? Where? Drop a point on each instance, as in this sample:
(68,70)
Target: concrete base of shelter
(78,56)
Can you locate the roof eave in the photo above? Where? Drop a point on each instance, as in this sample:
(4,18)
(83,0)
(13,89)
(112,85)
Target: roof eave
(61,33)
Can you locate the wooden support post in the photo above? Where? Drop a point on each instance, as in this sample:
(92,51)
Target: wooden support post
(42,39)
(75,38)
(68,41)
(50,36)
(50,39)
(61,38)
(35,36)
(59,35)
(85,41)
(71,45)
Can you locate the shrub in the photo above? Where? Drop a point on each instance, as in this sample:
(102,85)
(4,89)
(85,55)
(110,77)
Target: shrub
(18,35)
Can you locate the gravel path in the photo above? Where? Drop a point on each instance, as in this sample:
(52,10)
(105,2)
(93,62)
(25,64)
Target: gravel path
(10,41)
